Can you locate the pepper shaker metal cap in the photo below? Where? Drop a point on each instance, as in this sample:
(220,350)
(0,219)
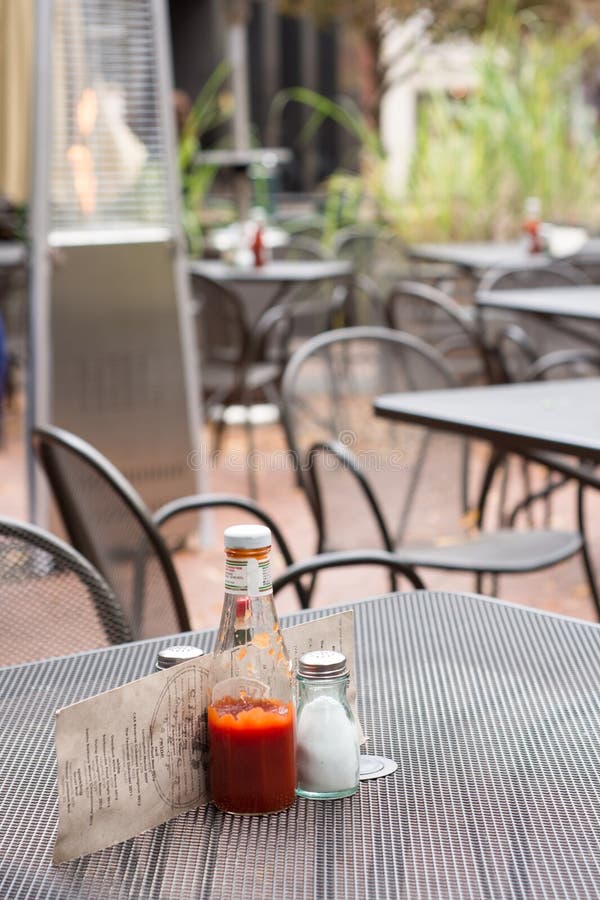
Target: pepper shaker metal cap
(322,664)
(171,656)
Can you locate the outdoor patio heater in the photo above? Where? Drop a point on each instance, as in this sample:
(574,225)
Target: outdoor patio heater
(112,358)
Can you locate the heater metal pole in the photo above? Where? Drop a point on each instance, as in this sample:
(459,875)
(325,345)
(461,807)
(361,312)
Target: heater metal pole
(38,382)
(237,53)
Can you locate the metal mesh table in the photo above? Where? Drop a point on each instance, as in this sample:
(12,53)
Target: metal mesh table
(490,710)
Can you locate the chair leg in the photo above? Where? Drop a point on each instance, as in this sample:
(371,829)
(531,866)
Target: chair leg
(219,429)
(249,428)
(526,472)
(585,553)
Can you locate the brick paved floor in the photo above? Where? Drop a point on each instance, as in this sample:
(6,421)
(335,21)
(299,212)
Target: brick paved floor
(560,590)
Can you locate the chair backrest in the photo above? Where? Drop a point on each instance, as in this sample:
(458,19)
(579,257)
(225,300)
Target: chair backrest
(310,226)
(432,315)
(367,305)
(565,364)
(328,391)
(108,522)
(374,251)
(347,560)
(302,247)
(522,337)
(552,275)
(222,333)
(52,600)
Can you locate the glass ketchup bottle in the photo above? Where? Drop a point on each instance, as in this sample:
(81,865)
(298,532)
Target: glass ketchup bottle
(251,719)
(532,224)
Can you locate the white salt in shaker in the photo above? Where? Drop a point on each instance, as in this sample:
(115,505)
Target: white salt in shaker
(327,736)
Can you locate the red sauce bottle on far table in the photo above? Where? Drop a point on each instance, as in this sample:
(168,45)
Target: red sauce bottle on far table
(532,224)
(251,718)
(258,246)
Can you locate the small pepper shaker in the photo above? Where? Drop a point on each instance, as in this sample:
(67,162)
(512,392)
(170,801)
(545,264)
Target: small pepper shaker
(172,656)
(327,735)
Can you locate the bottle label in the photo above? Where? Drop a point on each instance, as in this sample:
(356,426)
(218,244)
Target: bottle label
(248,576)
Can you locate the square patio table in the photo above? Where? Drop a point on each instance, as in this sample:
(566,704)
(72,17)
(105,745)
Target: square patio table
(490,711)
(569,315)
(478,256)
(560,416)
(574,302)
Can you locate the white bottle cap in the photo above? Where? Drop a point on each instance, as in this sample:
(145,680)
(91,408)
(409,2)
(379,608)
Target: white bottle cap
(247,537)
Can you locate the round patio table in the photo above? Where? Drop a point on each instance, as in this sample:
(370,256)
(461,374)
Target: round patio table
(279,271)
(281,275)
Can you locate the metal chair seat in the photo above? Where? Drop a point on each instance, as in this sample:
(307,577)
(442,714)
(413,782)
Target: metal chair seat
(220,378)
(505,550)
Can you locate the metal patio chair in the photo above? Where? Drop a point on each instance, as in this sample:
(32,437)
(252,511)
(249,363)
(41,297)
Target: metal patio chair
(347,560)
(231,368)
(371,482)
(301,246)
(374,251)
(377,251)
(520,338)
(52,600)
(434,316)
(243,363)
(108,522)
(560,470)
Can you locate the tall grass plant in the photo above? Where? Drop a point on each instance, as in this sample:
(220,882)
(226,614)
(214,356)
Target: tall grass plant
(517,134)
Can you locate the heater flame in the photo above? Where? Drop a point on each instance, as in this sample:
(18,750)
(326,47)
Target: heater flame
(79,154)
(87,111)
(83,176)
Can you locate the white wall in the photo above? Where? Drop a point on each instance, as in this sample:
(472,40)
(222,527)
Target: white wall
(416,67)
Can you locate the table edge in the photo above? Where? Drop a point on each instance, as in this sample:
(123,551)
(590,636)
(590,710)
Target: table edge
(316,612)
(504,439)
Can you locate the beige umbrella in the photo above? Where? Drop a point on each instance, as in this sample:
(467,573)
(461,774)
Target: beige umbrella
(17,34)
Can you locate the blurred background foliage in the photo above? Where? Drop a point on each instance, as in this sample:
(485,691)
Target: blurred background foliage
(205,117)
(522,129)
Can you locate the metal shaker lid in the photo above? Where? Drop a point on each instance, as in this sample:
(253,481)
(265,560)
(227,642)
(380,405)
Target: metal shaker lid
(171,656)
(322,664)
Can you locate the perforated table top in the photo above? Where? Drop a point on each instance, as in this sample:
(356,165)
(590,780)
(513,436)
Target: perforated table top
(491,711)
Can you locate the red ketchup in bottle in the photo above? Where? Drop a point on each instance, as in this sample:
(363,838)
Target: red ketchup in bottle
(252,746)
(258,247)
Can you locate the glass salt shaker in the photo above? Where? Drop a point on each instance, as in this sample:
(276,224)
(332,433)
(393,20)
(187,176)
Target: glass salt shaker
(327,735)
